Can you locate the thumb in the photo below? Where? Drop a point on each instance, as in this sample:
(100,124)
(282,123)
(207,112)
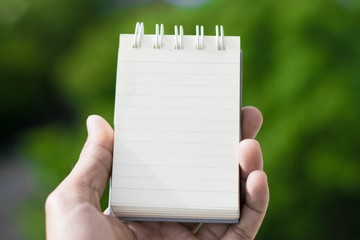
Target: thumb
(94,165)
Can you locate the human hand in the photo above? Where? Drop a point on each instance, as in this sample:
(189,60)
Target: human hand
(73,208)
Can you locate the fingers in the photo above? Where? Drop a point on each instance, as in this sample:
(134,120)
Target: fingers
(94,165)
(249,157)
(251,120)
(254,186)
(249,152)
(254,191)
(254,209)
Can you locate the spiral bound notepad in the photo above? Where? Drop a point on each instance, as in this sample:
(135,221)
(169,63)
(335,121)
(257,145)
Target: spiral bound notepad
(177,124)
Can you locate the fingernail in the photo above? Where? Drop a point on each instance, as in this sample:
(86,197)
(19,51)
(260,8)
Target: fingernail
(90,124)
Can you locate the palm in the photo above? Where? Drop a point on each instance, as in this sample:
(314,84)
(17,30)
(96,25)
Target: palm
(95,224)
(153,230)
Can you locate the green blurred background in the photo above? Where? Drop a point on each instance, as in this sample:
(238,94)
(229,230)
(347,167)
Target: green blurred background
(301,69)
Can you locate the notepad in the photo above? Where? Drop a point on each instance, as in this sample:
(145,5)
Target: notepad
(177,125)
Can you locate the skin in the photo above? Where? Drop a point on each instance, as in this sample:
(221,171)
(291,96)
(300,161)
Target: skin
(73,208)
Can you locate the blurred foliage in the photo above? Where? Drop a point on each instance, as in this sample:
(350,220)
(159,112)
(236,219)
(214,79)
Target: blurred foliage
(301,69)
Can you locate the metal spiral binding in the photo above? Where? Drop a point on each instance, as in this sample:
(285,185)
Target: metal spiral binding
(178,37)
(139,31)
(220,39)
(200,38)
(158,39)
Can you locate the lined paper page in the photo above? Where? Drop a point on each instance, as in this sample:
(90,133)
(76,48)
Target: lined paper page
(177,115)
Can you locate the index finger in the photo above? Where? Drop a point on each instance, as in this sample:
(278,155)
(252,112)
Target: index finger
(251,120)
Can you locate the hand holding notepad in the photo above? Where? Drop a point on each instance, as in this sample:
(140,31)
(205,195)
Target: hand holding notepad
(73,209)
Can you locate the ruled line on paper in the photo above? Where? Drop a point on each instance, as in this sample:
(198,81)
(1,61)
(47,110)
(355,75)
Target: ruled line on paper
(224,144)
(171,96)
(188,91)
(179,154)
(180,102)
(211,98)
(216,184)
(177,85)
(155,118)
(161,107)
(180,190)
(176,166)
(181,73)
(211,63)
(182,178)
(161,130)
(126,160)
(165,175)
(197,207)
(186,80)
(175,160)
(178,69)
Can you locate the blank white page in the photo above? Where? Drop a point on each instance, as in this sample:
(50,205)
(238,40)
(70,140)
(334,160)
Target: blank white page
(177,125)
